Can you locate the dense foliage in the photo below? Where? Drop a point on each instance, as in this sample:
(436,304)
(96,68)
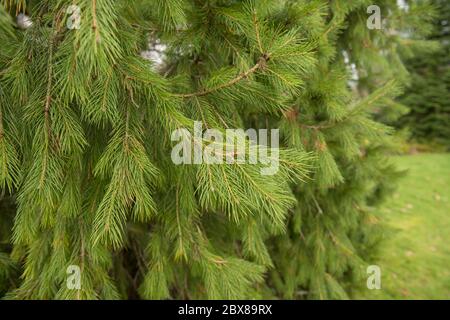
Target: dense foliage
(85,148)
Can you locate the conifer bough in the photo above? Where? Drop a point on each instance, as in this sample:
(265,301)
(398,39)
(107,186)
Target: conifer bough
(85,168)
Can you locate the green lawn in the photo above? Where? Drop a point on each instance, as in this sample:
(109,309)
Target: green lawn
(415,262)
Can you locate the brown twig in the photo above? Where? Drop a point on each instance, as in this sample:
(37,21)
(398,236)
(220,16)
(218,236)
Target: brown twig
(94,21)
(259,65)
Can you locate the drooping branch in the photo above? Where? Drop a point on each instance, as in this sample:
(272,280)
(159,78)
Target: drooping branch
(48,97)
(49,89)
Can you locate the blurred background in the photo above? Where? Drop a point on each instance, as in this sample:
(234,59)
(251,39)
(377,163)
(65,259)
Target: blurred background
(415,260)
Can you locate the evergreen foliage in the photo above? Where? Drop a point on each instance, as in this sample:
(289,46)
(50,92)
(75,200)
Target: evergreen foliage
(85,127)
(428,95)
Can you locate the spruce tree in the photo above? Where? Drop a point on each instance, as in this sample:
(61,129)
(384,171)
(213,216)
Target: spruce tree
(85,139)
(428,94)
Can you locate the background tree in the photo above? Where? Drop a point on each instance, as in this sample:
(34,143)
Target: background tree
(85,138)
(428,95)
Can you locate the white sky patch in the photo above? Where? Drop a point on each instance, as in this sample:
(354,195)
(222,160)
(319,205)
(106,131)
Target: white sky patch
(155,53)
(23,21)
(351,67)
(402,4)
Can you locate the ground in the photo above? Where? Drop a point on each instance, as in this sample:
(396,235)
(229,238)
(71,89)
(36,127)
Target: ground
(415,260)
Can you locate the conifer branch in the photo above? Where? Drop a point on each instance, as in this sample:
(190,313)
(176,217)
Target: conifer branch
(180,231)
(262,62)
(94,21)
(2,130)
(48,98)
(290,115)
(258,37)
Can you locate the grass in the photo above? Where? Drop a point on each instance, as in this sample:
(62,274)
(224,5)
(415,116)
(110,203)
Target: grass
(415,261)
